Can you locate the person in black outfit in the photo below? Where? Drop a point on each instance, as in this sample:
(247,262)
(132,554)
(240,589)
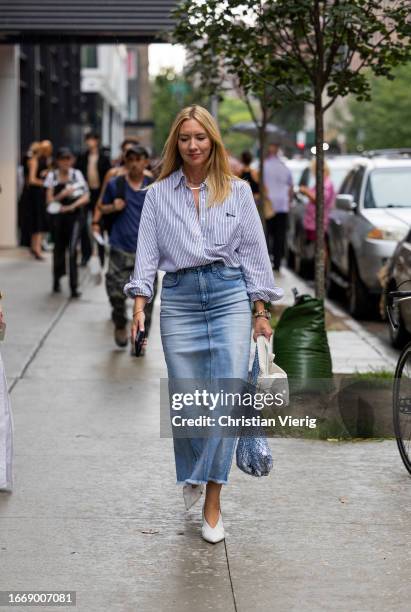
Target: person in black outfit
(67,186)
(24,213)
(37,168)
(94,165)
(249,174)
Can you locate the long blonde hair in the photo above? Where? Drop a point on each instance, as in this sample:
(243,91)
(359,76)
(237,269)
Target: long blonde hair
(218,171)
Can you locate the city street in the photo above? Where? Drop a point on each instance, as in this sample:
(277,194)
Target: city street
(95,508)
(251,151)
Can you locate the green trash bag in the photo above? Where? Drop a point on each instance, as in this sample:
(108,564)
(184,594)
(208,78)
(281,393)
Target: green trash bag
(301,345)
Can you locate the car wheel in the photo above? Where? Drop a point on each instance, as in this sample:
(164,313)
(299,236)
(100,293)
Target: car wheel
(357,294)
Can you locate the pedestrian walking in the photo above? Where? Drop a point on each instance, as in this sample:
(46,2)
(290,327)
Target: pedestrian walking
(94,165)
(201,226)
(24,214)
(279,188)
(103,223)
(234,164)
(124,196)
(38,165)
(67,195)
(309,222)
(249,174)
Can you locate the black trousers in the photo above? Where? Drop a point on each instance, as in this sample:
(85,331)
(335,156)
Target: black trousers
(86,246)
(277,231)
(66,231)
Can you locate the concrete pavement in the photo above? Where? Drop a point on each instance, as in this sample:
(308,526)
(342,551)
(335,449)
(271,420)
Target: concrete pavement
(95,507)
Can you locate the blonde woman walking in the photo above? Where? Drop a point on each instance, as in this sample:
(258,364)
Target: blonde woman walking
(200,225)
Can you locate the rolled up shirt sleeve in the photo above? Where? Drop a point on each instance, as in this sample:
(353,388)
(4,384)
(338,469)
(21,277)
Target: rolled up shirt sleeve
(147,253)
(253,253)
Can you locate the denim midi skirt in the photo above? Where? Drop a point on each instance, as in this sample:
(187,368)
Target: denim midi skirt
(205,324)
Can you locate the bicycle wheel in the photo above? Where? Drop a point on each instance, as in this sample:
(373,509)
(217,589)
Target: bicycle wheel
(402,405)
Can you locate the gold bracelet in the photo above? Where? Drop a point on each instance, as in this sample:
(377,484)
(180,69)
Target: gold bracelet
(137,311)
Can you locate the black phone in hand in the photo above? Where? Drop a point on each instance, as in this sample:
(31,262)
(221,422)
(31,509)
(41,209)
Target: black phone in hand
(138,342)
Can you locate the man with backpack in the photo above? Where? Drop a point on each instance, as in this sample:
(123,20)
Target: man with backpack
(125,196)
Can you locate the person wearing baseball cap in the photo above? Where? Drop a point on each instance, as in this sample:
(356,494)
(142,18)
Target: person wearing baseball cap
(125,196)
(66,187)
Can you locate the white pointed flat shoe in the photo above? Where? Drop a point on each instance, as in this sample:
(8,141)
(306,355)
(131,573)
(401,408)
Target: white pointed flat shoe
(213,534)
(192,494)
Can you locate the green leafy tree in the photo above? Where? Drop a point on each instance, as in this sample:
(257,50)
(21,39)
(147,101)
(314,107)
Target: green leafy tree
(384,121)
(212,61)
(171,93)
(312,51)
(231,111)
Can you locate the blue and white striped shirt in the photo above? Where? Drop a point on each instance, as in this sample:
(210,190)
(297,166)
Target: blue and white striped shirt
(173,236)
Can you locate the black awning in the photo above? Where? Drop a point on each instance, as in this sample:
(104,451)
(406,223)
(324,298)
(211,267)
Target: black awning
(88,21)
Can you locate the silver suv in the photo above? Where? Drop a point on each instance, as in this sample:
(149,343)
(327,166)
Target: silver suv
(372,214)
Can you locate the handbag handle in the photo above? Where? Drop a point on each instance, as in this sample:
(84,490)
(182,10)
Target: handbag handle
(265,356)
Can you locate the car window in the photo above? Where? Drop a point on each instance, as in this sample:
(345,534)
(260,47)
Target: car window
(296,174)
(356,184)
(305,177)
(347,183)
(388,187)
(337,174)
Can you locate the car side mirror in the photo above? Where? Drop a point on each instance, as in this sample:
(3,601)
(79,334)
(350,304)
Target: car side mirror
(345,202)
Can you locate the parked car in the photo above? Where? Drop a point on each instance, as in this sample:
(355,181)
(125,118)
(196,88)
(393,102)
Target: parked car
(372,214)
(300,252)
(296,167)
(398,276)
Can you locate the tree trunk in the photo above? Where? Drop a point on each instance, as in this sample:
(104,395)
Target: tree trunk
(261,154)
(319,200)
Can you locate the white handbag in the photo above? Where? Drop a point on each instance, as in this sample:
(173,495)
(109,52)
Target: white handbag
(270,378)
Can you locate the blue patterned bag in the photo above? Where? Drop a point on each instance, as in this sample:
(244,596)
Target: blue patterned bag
(253,455)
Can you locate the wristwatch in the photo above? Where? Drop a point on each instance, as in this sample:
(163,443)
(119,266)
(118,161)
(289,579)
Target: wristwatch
(263,313)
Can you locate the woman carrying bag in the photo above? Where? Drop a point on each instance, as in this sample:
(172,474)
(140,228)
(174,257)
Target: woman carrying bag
(201,226)
(67,195)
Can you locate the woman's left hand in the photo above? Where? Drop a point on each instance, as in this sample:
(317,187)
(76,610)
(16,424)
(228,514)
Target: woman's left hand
(262,327)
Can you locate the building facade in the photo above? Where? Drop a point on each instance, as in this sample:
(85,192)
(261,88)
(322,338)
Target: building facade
(139,113)
(105,93)
(50,96)
(39,23)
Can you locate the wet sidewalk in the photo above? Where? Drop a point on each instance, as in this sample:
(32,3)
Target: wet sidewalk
(96,510)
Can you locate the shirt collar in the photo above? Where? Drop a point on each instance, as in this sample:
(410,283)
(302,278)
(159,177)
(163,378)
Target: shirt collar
(178,176)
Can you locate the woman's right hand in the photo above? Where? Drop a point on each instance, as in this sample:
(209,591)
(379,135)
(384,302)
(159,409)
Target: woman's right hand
(137,325)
